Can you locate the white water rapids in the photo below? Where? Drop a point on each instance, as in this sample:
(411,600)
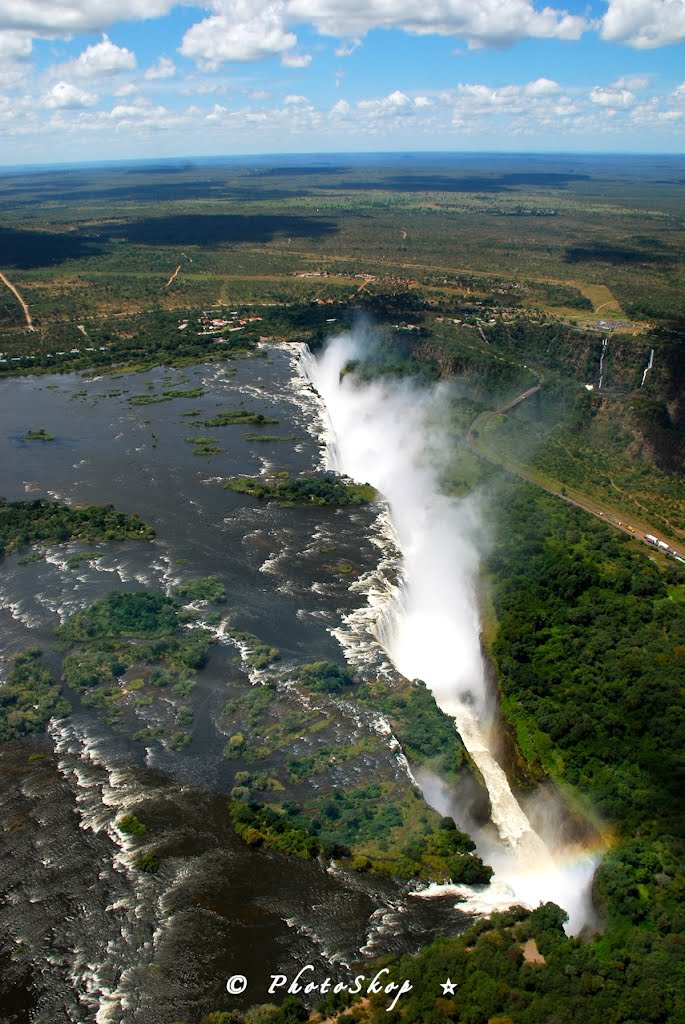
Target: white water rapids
(387,434)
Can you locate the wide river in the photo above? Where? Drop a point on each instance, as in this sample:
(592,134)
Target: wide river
(83,935)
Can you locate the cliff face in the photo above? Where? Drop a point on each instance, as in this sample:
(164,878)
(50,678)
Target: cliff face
(670,379)
(651,414)
(647,430)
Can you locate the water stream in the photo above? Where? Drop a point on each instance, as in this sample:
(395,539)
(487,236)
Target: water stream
(601,363)
(648,367)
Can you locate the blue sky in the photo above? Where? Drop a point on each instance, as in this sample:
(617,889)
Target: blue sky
(119,79)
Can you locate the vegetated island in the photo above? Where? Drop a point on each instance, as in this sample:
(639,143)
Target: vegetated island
(299,791)
(326,489)
(126,645)
(24,523)
(239,417)
(167,396)
(38,435)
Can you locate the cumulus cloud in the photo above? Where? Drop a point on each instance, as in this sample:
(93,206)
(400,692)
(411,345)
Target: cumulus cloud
(395,101)
(483,22)
(250,30)
(542,87)
(66,96)
(347,49)
(644,24)
(240,32)
(15,45)
(164,68)
(140,114)
(101,59)
(632,82)
(608,97)
(296,60)
(60,17)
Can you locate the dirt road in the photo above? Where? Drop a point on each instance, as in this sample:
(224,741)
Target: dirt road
(27,315)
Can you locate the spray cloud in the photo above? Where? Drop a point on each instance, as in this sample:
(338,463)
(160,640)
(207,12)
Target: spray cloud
(380,433)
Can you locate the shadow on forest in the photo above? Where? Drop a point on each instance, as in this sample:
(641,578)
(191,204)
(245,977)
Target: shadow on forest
(84,190)
(28,249)
(213,229)
(473,183)
(616,255)
(74,191)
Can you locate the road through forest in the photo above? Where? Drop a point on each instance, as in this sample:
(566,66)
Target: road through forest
(595,507)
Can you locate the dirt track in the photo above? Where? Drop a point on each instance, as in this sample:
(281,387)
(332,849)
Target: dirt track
(27,315)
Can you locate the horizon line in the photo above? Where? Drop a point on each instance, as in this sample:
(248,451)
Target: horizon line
(328,155)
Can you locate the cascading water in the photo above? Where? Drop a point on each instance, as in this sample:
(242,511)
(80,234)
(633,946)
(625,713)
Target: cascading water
(648,367)
(601,363)
(429,624)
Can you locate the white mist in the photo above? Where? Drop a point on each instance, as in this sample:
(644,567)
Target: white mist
(381,433)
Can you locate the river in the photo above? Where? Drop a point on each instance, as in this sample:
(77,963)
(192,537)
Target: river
(83,935)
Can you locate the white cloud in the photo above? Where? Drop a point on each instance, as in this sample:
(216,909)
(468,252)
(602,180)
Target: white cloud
(59,17)
(65,96)
(241,32)
(632,82)
(608,97)
(293,98)
(142,115)
(395,101)
(482,98)
(348,48)
(15,45)
(542,87)
(101,59)
(164,68)
(382,114)
(482,22)
(296,60)
(644,24)
(482,115)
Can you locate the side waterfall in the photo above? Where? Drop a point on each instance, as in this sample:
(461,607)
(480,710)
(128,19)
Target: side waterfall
(648,367)
(601,363)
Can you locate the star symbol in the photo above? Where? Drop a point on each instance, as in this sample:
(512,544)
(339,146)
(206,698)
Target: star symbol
(448,988)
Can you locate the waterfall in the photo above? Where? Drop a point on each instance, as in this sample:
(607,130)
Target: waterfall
(389,435)
(601,364)
(648,367)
